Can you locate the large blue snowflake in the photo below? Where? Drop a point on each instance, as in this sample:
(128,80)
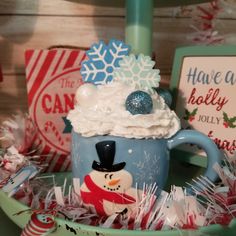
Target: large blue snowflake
(98,69)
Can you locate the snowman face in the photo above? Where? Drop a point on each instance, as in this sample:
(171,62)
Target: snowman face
(118,181)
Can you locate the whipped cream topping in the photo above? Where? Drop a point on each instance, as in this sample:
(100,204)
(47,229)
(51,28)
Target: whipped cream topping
(104,113)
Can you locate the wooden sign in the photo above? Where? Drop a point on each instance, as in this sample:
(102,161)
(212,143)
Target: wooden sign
(52,78)
(204,87)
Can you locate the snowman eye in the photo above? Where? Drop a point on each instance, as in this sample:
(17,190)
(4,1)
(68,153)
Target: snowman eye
(105,176)
(110,176)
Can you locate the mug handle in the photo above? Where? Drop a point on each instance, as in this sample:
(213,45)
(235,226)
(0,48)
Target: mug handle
(194,137)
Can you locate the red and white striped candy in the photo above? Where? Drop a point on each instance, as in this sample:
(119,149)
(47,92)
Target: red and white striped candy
(39,224)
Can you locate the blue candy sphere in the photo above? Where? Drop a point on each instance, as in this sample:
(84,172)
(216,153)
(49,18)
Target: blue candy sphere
(165,94)
(139,102)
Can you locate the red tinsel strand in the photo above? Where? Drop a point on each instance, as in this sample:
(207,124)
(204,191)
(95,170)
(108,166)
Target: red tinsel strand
(206,14)
(190,223)
(204,17)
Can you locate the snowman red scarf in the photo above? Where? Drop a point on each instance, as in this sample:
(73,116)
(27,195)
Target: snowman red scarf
(97,195)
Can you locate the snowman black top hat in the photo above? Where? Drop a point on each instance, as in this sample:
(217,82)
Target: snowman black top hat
(106,153)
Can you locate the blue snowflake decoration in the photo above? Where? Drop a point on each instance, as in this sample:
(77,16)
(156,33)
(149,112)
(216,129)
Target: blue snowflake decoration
(138,71)
(98,69)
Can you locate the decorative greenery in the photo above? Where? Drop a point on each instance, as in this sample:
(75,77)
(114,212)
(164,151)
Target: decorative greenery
(190,116)
(229,122)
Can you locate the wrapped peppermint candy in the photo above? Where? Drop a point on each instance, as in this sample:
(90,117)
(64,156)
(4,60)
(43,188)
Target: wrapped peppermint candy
(39,224)
(11,160)
(18,131)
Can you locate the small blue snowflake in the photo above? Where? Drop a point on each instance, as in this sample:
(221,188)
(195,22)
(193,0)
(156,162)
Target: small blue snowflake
(98,69)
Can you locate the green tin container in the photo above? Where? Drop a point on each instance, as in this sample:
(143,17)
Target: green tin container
(67,228)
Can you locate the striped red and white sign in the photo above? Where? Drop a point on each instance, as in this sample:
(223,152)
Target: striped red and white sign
(52,79)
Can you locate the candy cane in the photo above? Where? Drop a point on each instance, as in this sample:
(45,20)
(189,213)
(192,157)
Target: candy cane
(49,125)
(39,224)
(30,133)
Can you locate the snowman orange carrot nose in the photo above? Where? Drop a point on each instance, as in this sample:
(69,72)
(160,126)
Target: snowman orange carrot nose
(113,182)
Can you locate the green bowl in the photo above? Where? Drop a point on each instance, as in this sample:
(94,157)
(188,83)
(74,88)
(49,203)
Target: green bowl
(10,206)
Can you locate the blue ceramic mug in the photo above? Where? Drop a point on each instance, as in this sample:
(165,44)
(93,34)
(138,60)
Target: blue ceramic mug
(112,168)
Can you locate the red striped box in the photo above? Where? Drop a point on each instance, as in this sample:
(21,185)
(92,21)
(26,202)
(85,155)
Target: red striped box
(52,79)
